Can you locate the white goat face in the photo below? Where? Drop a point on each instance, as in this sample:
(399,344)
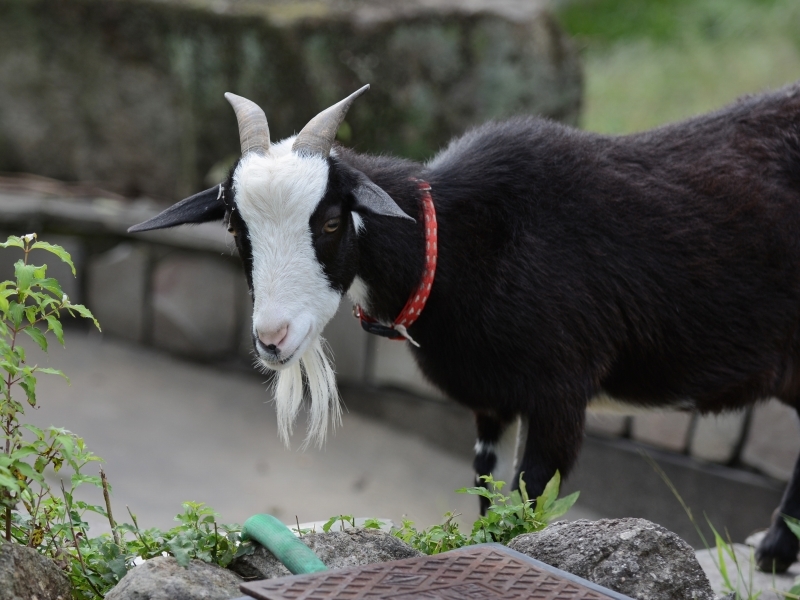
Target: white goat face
(276,196)
(294,211)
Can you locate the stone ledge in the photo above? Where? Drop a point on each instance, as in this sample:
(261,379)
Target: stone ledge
(103,216)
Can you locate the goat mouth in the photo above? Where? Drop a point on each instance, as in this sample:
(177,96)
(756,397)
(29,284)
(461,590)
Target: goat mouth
(275,364)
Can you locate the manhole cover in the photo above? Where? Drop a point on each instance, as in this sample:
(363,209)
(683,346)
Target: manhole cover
(484,572)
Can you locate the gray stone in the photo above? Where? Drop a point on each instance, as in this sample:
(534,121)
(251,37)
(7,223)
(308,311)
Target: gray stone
(24,574)
(162,578)
(668,430)
(194,305)
(773,441)
(337,549)
(117,289)
(632,556)
(129,95)
(716,437)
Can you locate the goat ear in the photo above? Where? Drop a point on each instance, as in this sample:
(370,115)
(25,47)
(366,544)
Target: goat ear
(371,198)
(200,208)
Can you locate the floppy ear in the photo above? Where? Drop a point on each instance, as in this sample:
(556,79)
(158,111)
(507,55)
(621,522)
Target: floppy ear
(200,208)
(371,198)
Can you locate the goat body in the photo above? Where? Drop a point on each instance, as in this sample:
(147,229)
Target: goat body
(660,269)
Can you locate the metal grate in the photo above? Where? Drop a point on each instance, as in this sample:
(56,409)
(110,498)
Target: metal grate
(484,572)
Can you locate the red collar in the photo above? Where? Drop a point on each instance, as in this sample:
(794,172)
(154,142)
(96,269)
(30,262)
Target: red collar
(416,302)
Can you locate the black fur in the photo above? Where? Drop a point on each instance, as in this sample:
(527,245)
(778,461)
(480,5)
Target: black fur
(662,268)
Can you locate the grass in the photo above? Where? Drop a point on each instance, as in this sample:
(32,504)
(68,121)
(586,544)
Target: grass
(650,62)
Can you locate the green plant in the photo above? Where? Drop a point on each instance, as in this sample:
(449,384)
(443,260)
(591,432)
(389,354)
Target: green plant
(52,520)
(506,517)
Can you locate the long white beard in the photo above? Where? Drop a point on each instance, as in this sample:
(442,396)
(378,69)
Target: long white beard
(315,370)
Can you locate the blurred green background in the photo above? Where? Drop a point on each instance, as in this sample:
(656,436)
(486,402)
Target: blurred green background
(649,62)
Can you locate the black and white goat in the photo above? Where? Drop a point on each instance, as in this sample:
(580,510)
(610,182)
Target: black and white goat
(660,269)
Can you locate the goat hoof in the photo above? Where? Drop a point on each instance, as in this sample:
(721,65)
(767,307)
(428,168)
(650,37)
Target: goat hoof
(777,551)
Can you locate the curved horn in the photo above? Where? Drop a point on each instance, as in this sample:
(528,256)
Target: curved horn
(253,128)
(317,136)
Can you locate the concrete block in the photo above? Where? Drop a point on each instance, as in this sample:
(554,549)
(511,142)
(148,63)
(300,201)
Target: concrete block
(668,430)
(194,305)
(394,365)
(117,290)
(716,437)
(605,423)
(71,285)
(348,344)
(773,441)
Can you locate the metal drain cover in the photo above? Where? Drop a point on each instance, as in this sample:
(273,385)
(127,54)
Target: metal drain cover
(482,572)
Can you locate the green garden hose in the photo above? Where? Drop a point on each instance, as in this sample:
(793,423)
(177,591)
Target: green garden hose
(278,539)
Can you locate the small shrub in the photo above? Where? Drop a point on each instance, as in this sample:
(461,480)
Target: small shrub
(52,520)
(506,518)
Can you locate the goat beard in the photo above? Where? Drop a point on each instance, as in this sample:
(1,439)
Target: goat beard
(312,375)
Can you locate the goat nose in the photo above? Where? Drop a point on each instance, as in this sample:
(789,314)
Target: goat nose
(273,339)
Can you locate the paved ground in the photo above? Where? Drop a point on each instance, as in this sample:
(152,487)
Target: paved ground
(171,430)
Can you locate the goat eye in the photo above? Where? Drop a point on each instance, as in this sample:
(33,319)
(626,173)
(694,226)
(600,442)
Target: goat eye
(331,225)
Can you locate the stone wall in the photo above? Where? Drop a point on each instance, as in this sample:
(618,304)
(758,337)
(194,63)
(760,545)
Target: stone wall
(129,93)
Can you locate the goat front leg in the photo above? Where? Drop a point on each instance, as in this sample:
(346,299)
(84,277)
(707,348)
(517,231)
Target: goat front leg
(495,450)
(552,443)
(778,550)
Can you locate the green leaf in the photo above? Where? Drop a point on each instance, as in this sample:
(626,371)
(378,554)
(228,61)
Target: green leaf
(52,286)
(35,431)
(37,336)
(57,250)
(28,384)
(549,494)
(561,506)
(24,275)
(373,524)
(793,524)
(326,527)
(51,371)
(85,313)
(30,312)
(13,242)
(16,312)
(27,470)
(54,325)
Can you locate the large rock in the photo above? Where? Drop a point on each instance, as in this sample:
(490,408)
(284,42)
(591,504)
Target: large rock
(24,574)
(162,578)
(632,556)
(129,93)
(337,549)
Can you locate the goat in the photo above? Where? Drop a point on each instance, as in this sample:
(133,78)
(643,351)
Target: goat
(660,269)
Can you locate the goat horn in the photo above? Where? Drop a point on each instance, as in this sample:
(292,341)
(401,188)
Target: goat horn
(316,138)
(253,128)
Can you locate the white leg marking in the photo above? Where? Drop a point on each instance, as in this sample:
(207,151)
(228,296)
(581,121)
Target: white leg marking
(506,453)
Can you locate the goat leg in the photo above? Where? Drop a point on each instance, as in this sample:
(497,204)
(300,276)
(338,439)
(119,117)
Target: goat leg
(778,550)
